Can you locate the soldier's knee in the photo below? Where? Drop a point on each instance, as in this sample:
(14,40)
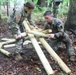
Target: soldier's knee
(66,38)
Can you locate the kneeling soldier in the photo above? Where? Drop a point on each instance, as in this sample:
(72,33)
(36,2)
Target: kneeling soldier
(58,35)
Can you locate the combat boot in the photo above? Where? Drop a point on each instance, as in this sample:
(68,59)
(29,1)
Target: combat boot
(17,56)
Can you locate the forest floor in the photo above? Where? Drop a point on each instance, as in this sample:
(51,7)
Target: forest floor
(31,64)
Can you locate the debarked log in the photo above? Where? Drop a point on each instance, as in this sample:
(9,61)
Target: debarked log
(63,66)
(38,34)
(47,31)
(11,39)
(40,53)
(13,45)
(8,41)
(4,51)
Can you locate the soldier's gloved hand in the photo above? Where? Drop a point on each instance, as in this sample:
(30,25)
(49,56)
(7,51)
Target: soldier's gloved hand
(51,35)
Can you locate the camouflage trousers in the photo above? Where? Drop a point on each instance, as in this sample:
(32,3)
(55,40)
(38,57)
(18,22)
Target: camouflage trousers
(15,30)
(56,43)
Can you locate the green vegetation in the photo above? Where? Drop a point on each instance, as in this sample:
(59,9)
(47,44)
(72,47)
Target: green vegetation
(38,11)
(63,10)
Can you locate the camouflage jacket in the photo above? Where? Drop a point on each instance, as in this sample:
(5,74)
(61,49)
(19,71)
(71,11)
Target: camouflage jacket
(19,16)
(56,26)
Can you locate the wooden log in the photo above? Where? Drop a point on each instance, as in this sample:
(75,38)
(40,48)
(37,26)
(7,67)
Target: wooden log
(7,39)
(4,51)
(39,29)
(4,43)
(10,45)
(63,66)
(10,39)
(13,45)
(39,51)
(38,34)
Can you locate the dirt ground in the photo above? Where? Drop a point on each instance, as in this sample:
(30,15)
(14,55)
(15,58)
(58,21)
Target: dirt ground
(31,64)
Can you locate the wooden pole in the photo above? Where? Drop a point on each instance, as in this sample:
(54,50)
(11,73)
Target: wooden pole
(39,51)
(38,34)
(55,56)
(4,51)
(8,41)
(13,45)
(12,39)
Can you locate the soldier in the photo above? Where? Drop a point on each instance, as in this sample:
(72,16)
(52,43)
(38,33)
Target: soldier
(56,4)
(58,35)
(16,27)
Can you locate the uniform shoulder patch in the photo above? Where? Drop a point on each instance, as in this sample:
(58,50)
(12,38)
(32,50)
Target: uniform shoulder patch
(58,23)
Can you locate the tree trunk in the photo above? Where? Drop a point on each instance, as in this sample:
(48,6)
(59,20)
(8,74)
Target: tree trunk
(71,18)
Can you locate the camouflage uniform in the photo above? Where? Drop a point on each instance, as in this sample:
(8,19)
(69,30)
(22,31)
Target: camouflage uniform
(56,4)
(60,36)
(16,27)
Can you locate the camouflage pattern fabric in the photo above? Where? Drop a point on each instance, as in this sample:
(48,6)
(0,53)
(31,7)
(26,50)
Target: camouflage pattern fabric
(15,25)
(55,10)
(60,36)
(56,4)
